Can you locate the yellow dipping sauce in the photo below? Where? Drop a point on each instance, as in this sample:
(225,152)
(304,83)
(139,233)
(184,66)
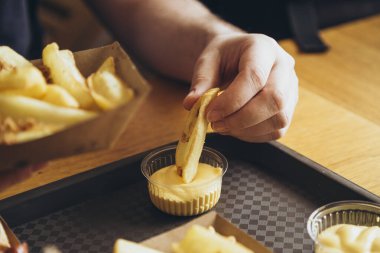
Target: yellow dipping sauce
(172,186)
(346,238)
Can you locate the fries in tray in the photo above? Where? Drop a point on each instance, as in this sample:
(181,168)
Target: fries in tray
(36,102)
(197,239)
(108,90)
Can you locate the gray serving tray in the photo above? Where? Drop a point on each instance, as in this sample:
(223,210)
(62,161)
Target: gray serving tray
(269,191)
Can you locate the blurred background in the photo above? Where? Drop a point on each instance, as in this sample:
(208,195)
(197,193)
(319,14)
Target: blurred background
(71,24)
(74,26)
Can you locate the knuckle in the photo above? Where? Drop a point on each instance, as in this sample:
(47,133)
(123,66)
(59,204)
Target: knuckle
(200,61)
(256,79)
(296,80)
(277,134)
(269,40)
(276,100)
(292,61)
(198,78)
(272,41)
(280,120)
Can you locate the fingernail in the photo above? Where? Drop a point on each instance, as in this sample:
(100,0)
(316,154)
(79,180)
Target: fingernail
(191,93)
(189,100)
(219,126)
(214,115)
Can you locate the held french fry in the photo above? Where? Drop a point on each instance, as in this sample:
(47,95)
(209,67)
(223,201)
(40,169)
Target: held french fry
(124,246)
(20,107)
(27,81)
(200,239)
(63,71)
(10,59)
(59,96)
(191,143)
(108,90)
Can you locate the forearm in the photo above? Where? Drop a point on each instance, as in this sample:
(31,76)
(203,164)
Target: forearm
(169,35)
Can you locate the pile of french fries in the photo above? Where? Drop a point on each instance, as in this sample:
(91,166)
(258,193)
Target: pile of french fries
(38,102)
(197,239)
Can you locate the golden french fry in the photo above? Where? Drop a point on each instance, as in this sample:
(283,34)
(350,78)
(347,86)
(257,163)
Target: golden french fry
(191,143)
(108,65)
(10,59)
(24,136)
(108,90)
(63,71)
(4,241)
(27,81)
(200,239)
(124,246)
(20,107)
(57,95)
(21,130)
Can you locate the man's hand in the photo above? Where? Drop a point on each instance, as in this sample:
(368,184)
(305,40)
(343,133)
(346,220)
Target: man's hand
(10,178)
(261,86)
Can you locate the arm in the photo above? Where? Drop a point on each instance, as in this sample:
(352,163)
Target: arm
(169,35)
(182,39)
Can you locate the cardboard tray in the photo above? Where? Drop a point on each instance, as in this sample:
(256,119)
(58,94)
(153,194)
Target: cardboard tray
(98,133)
(268,192)
(164,241)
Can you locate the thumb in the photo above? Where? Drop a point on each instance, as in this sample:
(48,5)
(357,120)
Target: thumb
(205,77)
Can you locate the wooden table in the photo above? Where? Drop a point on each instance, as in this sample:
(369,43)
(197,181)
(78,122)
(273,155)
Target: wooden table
(337,121)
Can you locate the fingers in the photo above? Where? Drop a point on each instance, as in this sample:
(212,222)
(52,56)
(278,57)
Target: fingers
(267,103)
(265,138)
(206,74)
(255,66)
(259,102)
(274,127)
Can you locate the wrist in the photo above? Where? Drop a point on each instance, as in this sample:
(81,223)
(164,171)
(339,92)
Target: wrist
(219,27)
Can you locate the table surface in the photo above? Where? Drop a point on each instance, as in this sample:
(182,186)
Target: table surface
(336,123)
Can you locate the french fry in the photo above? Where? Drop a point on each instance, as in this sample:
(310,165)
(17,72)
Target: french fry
(57,95)
(124,246)
(27,81)
(108,90)
(21,130)
(24,136)
(4,241)
(200,239)
(63,71)
(108,65)
(10,59)
(20,107)
(191,143)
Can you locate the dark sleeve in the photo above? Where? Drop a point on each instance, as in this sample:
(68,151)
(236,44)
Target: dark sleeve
(19,28)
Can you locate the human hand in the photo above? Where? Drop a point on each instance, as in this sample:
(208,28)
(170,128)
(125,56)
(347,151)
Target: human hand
(261,86)
(10,178)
